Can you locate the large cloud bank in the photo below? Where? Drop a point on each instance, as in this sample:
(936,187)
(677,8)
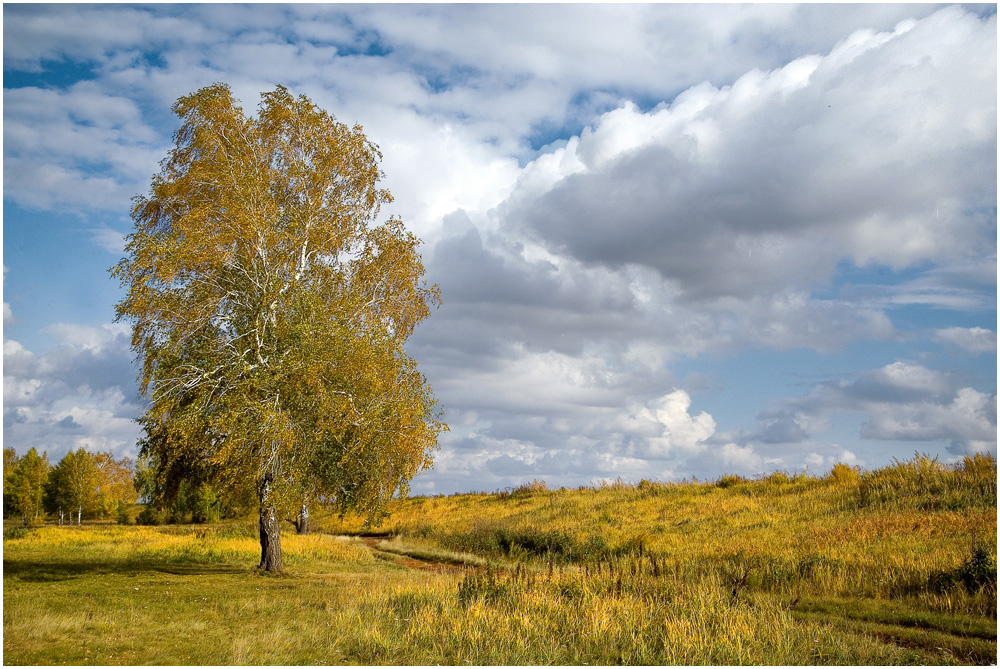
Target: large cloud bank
(604,199)
(717,222)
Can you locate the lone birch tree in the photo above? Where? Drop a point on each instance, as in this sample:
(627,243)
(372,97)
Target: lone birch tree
(270,311)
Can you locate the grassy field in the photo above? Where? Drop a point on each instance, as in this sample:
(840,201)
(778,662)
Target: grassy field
(895,566)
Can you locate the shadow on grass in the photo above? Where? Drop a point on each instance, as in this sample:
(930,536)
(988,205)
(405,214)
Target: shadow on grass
(51,572)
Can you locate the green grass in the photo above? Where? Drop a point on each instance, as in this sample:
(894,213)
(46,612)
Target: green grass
(108,595)
(783,570)
(942,639)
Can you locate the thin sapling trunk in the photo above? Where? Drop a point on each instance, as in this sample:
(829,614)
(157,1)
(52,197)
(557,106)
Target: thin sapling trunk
(302,522)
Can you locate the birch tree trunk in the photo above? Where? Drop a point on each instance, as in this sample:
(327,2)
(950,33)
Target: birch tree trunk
(260,284)
(270,530)
(302,522)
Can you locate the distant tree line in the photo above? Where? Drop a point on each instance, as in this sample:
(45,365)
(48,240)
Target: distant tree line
(82,485)
(96,486)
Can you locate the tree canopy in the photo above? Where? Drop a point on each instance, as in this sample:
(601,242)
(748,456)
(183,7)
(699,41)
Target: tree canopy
(26,484)
(270,312)
(75,484)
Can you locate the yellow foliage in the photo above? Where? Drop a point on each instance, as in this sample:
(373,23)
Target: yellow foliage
(270,310)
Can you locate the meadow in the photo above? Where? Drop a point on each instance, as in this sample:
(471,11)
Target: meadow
(892,566)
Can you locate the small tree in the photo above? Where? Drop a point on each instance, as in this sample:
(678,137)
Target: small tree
(73,486)
(114,484)
(122,516)
(270,313)
(27,485)
(203,504)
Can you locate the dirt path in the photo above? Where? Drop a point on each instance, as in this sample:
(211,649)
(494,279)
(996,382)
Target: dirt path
(412,562)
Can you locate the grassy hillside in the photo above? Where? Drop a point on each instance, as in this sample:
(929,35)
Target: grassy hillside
(874,534)
(895,566)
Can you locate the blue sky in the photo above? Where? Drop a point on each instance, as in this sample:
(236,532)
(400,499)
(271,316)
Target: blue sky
(672,240)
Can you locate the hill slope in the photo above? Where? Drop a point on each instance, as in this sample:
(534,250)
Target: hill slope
(895,566)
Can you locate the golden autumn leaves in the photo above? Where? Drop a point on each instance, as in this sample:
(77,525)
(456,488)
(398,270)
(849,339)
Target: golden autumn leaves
(270,313)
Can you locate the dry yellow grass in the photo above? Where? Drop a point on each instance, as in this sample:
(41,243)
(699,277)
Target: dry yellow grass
(793,571)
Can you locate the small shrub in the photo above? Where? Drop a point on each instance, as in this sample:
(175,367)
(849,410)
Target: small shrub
(121,516)
(844,475)
(527,542)
(729,480)
(15,533)
(778,478)
(540,542)
(653,488)
(977,572)
(526,489)
(498,539)
(150,515)
(737,569)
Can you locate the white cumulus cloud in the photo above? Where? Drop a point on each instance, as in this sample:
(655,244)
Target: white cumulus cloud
(976,340)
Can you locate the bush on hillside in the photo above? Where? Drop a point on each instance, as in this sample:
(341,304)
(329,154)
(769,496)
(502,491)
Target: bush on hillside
(531,488)
(844,475)
(729,480)
(979,571)
(924,483)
